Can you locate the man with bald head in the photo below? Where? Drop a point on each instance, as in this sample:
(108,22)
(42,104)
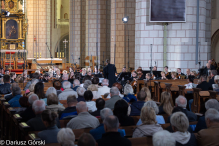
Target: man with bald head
(84,118)
(181,101)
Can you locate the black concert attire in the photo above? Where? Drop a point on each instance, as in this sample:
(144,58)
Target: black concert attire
(109,73)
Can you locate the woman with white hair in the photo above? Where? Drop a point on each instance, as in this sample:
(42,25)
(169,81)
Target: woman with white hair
(66,137)
(216,85)
(149,124)
(94,90)
(180,124)
(80,91)
(159,118)
(87,83)
(50,90)
(129,94)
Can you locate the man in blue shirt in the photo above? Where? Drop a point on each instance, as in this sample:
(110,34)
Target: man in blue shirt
(16,92)
(97,133)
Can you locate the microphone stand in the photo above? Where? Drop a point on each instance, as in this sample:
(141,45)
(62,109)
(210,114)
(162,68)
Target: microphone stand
(50,57)
(151,66)
(39,65)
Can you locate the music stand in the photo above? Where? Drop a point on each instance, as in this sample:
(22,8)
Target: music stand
(157,74)
(125,75)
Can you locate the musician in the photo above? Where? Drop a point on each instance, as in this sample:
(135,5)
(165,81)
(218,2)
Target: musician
(89,70)
(179,73)
(64,72)
(7,72)
(83,72)
(89,73)
(58,75)
(70,69)
(188,73)
(155,68)
(174,75)
(163,76)
(119,76)
(109,72)
(140,67)
(134,76)
(168,74)
(45,78)
(212,67)
(71,76)
(148,76)
(140,74)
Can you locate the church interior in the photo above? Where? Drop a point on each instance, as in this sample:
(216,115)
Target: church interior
(109,72)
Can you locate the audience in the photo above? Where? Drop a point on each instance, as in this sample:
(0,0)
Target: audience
(211,103)
(181,101)
(36,123)
(213,74)
(29,113)
(163,138)
(180,124)
(104,89)
(215,86)
(148,92)
(6,87)
(66,137)
(86,140)
(114,94)
(121,111)
(13,77)
(204,85)
(87,83)
(94,90)
(95,81)
(112,137)
(16,92)
(50,90)
(35,78)
(67,91)
(76,84)
(53,103)
(149,124)
(100,104)
(39,90)
(166,105)
(97,133)
(190,81)
(31,90)
(88,96)
(10,96)
(51,132)
(159,118)
(57,85)
(84,118)
(137,105)
(71,109)
(129,94)
(80,92)
(209,136)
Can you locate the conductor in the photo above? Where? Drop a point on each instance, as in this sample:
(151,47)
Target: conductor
(109,72)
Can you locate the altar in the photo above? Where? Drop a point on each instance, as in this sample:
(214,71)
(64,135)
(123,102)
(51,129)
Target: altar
(34,63)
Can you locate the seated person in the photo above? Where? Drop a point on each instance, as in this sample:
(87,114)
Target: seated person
(155,68)
(166,105)
(67,91)
(211,103)
(100,104)
(212,75)
(53,103)
(148,76)
(190,84)
(134,76)
(86,84)
(10,96)
(13,77)
(57,85)
(180,124)
(148,92)
(16,92)
(6,87)
(129,94)
(163,76)
(204,85)
(163,138)
(114,94)
(95,81)
(174,75)
(104,89)
(84,118)
(137,105)
(97,133)
(35,78)
(94,91)
(29,113)
(149,124)
(88,96)
(50,134)
(76,84)
(112,136)
(71,109)
(66,137)
(86,140)
(80,92)
(121,110)
(210,135)
(159,118)
(120,87)
(215,86)
(179,73)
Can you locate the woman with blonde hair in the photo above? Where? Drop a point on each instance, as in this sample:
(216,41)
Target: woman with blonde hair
(94,90)
(149,124)
(145,89)
(173,75)
(166,105)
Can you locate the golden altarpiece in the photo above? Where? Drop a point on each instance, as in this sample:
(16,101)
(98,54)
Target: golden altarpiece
(13,32)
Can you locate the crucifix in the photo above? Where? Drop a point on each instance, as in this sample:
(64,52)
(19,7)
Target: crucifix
(65,42)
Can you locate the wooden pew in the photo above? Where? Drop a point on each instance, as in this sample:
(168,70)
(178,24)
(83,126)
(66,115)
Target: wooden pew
(143,141)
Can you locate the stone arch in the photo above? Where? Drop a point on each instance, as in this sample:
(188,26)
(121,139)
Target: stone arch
(59,45)
(215,46)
